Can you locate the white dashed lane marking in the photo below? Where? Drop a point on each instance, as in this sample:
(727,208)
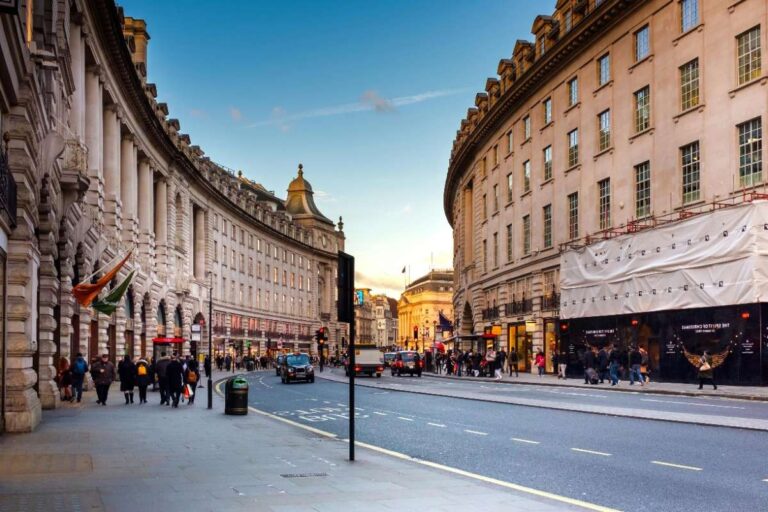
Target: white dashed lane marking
(581,450)
(440,425)
(404,419)
(379,413)
(678,466)
(691,403)
(517,439)
(475,432)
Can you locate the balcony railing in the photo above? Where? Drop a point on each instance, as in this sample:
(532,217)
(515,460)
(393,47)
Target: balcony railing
(518,307)
(7,188)
(491,313)
(550,302)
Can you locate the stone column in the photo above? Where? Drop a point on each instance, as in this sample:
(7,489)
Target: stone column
(94,126)
(112,160)
(128,187)
(199,243)
(146,217)
(77,64)
(161,223)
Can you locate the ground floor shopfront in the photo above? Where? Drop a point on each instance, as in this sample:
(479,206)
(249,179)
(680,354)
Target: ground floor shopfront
(737,335)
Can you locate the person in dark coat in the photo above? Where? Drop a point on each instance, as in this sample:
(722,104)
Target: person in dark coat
(127,371)
(174,374)
(79,369)
(706,372)
(207,366)
(602,364)
(161,368)
(103,373)
(513,362)
(191,378)
(589,362)
(144,376)
(635,360)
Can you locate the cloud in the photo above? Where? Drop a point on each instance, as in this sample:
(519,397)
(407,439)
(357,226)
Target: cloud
(378,103)
(389,284)
(370,101)
(278,118)
(235,114)
(198,113)
(324,197)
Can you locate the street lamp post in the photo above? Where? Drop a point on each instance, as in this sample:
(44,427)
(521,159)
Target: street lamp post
(210,342)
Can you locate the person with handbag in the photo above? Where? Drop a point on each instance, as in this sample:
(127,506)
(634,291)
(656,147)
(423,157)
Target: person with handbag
(706,372)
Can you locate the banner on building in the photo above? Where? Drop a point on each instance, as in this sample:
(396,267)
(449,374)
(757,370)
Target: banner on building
(711,259)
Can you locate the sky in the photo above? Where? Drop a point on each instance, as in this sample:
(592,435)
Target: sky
(367,95)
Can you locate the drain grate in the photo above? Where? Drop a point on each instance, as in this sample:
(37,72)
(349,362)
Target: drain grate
(302,475)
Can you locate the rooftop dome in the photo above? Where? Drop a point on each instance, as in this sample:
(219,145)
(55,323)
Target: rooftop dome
(300,202)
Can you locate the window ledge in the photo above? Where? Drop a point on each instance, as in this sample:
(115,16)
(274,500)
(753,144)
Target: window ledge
(526,141)
(732,7)
(508,155)
(648,131)
(647,58)
(526,256)
(600,153)
(696,108)
(546,182)
(572,168)
(494,214)
(609,83)
(575,105)
(699,202)
(493,169)
(762,80)
(541,130)
(547,249)
(510,203)
(526,193)
(697,28)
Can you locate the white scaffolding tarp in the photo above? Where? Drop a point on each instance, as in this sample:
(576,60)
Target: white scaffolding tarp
(711,259)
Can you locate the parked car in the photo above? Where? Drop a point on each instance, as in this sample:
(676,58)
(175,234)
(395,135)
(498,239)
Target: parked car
(389,357)
(407,361)
(279,363)
(296,366)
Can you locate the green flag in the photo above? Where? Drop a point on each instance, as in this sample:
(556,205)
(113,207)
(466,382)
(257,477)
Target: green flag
(108,304)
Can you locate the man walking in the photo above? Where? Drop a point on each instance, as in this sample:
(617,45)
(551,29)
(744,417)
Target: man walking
(79,369)
(513,361)
(161,368)
(589,363)
(614,361)
(174,373)
(635,361)
(103,372)
(602,363)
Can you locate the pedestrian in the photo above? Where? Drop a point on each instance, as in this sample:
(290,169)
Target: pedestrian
(79,369)
(161,368)
(174,374)
(143,377)
(589,363)
(103,373)
(64,380)
(614,362)
(498,363)
(706,372)
(503,359)
(644,370)
(191,377)
(207,366)
(540,362)
(635,361)
(513,362)
(127,372)
(602,364)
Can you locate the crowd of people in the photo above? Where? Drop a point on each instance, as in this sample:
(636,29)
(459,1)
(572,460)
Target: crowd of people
(175,377)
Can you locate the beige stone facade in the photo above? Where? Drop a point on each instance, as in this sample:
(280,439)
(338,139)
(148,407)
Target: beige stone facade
(616,114)
(419,308)
(101,169)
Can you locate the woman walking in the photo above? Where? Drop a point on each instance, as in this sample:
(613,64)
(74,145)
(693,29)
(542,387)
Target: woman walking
(191,377)
(540,362)
(64,379)
(144,376)
(127,371)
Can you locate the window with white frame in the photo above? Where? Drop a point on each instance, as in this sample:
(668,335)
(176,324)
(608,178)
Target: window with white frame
(573,147)
(510,183)
(510,243)
(547,107)
(495,250)
(526,127)
(749,55)
(526,176)
(547,153)
(604,202)
(689,84)
(495,198)
(690,165)
(750,152)
(510,141)
(573,215)
(527,234)
(642,43)
(604,69)
(604,130)
(573,91)
(642,109)
(546,214)
(689,14)
(643,190)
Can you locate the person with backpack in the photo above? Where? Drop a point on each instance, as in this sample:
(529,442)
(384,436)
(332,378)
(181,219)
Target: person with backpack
(143,378)
(127,372)
(192,377)
(79,369)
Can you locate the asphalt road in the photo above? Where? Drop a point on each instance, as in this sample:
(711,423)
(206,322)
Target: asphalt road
(623,463)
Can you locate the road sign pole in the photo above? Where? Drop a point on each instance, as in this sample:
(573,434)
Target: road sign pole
(346,313)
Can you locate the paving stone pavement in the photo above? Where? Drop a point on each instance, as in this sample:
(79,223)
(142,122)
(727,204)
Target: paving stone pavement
(155,458)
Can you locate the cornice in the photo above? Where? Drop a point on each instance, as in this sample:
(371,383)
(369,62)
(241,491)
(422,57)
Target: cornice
(560,54)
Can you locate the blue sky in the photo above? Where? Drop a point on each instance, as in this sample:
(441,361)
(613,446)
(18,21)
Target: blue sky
(367,95)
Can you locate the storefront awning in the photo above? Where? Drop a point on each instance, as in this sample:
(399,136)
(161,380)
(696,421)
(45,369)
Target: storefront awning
(168,340)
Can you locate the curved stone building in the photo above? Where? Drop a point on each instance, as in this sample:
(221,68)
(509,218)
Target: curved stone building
(617,115)
(93,166)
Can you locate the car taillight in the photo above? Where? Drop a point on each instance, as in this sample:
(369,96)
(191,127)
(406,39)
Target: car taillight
(421,364)
(357,368)
(380,369)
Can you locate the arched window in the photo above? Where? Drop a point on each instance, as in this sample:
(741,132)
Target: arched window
(161,318)
(177,322)
(128,305)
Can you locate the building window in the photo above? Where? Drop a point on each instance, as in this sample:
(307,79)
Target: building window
(643,190)
(542,40)
(509,243)
(750,152)
(527,235)
(604,202)
(573,147)
(495,250)
(495,155)
(547,163)
(689,156)
(510,197)
(483,166)
(526,128)
(689,14)
(573,215)
(603,69)
(547,111)
(689,84)
(604,130)
(567,20)
(510,141)
(642,109)
(547,218)
(573,91)
(485,207)
(749,55)
(642,43)
(526,176)
(485,255)
(215,250)
(495,198)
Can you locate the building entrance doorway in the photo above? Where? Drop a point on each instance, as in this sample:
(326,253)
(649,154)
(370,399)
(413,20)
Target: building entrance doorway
(521,341)
(550,343)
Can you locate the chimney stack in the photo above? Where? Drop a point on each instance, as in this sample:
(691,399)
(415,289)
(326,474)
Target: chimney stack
(136,30)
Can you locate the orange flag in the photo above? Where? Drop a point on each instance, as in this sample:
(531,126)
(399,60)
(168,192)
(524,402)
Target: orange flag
(86,292)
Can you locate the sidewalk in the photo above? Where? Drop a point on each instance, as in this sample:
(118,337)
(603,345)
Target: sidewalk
(151,458)
(661,388)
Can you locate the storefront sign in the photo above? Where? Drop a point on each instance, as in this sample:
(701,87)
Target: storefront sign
(747,347)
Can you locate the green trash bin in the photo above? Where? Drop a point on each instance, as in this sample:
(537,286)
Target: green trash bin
(236,396)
